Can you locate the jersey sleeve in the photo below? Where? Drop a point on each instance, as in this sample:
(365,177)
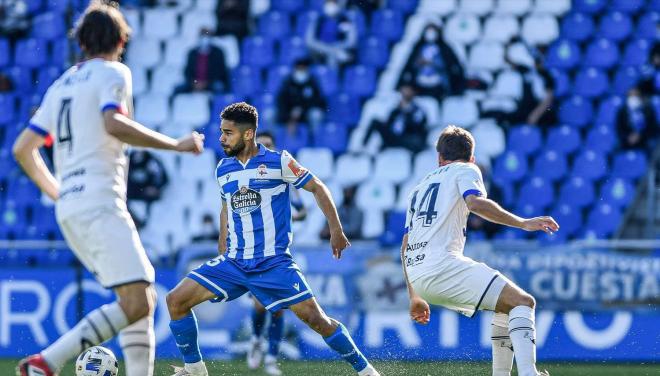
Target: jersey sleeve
(293,172)
(470,182)
(115,90)
(42,122)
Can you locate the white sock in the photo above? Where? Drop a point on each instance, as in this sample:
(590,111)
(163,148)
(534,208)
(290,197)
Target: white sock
(502,347)
(97,327)
(138,343)
(197,369)
(523,337)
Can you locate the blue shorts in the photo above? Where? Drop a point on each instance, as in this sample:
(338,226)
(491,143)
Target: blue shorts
(275,281)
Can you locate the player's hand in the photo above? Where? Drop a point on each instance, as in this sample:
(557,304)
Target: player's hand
(420,311)
(545,224)
(194,143)
(338,242)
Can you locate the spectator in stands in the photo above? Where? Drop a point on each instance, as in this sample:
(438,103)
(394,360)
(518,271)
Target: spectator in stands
(406,125)
(146,177)
(350,216)
(433,67)
(636,123)
(206,69)
(650,83)
(5,83)
(300,98)
(209,231)
(233,18)
(14,18)
(332,36)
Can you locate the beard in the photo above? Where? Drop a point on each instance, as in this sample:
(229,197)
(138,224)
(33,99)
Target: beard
(235,150)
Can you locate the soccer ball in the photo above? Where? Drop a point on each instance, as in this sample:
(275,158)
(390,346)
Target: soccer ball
(96,361)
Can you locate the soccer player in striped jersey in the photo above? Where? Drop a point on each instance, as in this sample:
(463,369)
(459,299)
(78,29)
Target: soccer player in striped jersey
(256,216)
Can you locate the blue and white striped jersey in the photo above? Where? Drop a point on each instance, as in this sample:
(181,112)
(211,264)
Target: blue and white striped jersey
(259,202)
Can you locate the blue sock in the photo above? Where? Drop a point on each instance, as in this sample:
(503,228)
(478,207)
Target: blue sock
(185,335)
(275,331)
(342,343)
(258,320)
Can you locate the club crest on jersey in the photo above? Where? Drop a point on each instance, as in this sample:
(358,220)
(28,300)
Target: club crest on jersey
(262,171)
(245,200)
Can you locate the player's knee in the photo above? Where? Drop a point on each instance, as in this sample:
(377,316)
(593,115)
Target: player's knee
(176,304)
(524,299)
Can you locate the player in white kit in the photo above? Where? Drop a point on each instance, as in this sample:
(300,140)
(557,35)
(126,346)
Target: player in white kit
(437,272)
(87,115)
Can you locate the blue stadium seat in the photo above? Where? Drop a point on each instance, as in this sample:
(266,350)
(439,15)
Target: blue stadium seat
(568,217)
(536,192)
(555,239)
(302,22)
(328,78)
(525,139)
(374,52)
(257,51)
(577,192)
(344,108)
(617,192)
(528,210)
(625,79)
(563,54)
(590,165)
(653,5)
(646,26)
(333,136)
(511,234)
(564,139)
(292,142)
(394,228)
(602,53)
(31,52)
(608,110)
(562,82)
(359,81)
(590,83)
(629,164)
(387,24)
(510,166)
(616,26)
(49,26)
(45,77)
(576,111)
(604,219)
(577,26)
(550,165)
(292,49)
(5,52)
(59,5)
(636,53)
(267,105)
(589,6)
(221,101)
(7,108)
(601,139)
(315,4)
(275,25)
(21,78)
(627,6)
(289,6)
(34,5)
(405,6)
(246,81)
(60,53)
(275,77)
(358,19)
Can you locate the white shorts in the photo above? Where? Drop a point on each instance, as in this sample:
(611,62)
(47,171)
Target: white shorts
(462,285)
(106,242)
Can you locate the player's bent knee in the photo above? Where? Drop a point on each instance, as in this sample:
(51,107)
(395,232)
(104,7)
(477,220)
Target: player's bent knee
(528,300)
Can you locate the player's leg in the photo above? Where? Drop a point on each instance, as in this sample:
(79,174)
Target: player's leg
(138,340)
(275,332)
(502,350)
(255,353)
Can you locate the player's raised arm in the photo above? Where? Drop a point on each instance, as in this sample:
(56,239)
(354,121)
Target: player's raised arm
(492,211)
(338,240)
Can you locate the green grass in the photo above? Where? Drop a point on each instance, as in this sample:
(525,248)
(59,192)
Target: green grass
(231,368)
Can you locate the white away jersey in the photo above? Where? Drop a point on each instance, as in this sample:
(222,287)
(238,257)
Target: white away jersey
(90,164)
(437,217)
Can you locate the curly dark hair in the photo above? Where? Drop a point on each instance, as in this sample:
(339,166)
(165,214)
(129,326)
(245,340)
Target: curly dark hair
(241,113)
(455,144)
(101,28)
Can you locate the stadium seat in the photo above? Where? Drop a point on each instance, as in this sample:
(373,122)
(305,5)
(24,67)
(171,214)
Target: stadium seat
(292,141)
(289,6)
(653,5)
(625,79)
(490,141)
(197,167)
(7,108)
(144,53)
(152,109)
(555,239)
(245,81)
(537,192)
(590,83)
(550,165)
(569,217)
(267,105)
(500,28)
(577,192)
(352,169)
(589,6)
(132,17)
(58,5)
(636,53)
(373,223)
(45,77)
(509,84)
(394,228)
(477,7)
(359,81)
(48,25)
(486,56)
(177,49)
(608,110)
(394,21)
(460,111)
(562,82)
(160,23)
(441,8)
(646,25)
(31,52)
(604,219)
(564,139)
(328,78)
(601,139)
(375,194)
(344,108)
(602,53)
(617,192)
(424,162)
(514,7)
(615,26)
(60,55)
(193,22)
(357,18)
(165,79)
(554,7)
(590,164)
(510,166)
(539,29)
(519,53)
(5,52)
(374,52)
(576,111)
(191,109)
(627,6)
(332,135)
(291,49)
(140,81)
(404,6)
(21,78)
(257,52)
(462,28)
(577,27)
(629,164)
(563,54)
(525,139)
(274,25)
(276,75)
(303,21)
(385,170)
(319,161)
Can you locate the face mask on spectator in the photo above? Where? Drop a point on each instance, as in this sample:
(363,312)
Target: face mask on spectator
(634,102)
(331,8)
(431,35)
(300,75)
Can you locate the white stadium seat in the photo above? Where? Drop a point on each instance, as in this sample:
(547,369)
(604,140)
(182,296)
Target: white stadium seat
(486,56)
(555,7)
(195,21)
(198,167)
(404,193)
(143,52)
(160,23)
(176,51)
(152,110)
(352,169)
(375,194)
(373,223)
(478,7)
(132,16)
(540,29)
(165,79)
(499,104)
(460,111)
(519,54)
(317,160)
(425,162)
(507,84)
(462,28)
(515,7)
(501,28)
(431,108)
(229,46)
(191,109)
(206,5)
(140,81)
(392,165)
(489,139)
(439,7)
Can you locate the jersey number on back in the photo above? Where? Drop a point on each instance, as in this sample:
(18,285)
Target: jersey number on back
(426,209)
(64,124)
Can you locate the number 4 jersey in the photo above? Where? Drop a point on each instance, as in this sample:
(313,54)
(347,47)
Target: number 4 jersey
(437,217)
(90,164)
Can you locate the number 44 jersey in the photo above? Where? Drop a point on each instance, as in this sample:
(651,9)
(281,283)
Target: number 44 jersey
(437,217)
(90,164)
